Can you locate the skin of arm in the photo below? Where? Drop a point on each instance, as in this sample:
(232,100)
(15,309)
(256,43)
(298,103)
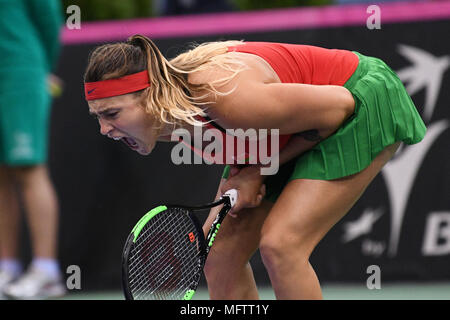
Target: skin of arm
(293,108)
(289,107)
(249,181)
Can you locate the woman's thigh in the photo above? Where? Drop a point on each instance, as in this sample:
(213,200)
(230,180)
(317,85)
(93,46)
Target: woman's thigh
(307,209)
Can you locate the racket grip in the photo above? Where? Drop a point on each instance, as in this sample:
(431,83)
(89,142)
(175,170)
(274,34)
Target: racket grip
(232,194)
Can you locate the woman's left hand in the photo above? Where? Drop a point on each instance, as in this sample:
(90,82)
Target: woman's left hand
(248,181)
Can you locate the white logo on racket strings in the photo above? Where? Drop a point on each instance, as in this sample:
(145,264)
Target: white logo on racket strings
(210,141)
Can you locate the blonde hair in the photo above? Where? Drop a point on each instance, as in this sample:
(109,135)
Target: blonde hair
(170,97)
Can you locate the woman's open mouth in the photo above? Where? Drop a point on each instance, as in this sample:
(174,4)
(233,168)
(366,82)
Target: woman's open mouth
(130,142)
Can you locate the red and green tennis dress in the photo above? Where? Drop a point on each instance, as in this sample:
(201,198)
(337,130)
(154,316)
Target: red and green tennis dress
(384,112)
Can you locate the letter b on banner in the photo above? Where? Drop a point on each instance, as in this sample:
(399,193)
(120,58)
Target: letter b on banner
(437,234)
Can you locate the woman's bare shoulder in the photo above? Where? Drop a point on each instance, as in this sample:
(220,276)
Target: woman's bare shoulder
(208,74)
(250,66)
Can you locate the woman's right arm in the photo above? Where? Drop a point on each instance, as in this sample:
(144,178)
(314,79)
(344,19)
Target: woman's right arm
(296,146)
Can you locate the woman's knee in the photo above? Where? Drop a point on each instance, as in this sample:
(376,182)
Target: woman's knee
(221,261)
(280,251)
(227,256)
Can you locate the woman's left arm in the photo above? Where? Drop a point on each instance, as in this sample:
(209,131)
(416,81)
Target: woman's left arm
(250,182)
(289,107)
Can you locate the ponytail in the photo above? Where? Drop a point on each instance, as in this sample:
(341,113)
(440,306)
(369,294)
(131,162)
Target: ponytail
(170,97)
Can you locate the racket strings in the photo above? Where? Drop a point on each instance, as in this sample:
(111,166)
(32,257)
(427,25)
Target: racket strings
(162,280)
(164,271)
(164,261)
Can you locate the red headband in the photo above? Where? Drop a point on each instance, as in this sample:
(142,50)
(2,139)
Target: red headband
(116,87)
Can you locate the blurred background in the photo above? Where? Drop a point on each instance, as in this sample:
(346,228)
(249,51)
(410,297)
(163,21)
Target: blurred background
(402,222)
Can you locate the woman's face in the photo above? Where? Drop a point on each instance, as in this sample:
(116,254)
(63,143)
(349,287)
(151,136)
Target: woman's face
(123,118)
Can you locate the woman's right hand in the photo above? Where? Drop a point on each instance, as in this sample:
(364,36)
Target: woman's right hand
(248,182)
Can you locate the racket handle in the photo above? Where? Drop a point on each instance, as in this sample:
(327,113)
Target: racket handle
(232,194)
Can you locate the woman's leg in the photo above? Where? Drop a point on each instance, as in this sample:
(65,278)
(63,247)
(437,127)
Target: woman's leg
(305,211)
(227,270)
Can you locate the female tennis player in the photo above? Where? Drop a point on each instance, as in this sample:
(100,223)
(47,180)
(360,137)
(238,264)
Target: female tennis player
(344,115)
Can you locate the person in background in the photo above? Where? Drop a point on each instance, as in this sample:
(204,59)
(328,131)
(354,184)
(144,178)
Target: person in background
(340,114)
(29,48)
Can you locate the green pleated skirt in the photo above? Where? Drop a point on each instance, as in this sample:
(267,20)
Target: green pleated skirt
(384,114)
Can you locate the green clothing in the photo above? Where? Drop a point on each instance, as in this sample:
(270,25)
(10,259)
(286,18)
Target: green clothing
(384,114)
(29,48)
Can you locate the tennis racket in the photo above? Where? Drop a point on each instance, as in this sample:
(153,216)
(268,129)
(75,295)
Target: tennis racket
(164,255)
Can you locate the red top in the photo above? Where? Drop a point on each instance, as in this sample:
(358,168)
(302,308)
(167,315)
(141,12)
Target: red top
(294,63)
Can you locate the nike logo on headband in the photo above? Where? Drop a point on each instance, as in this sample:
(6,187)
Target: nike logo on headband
(116,87)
